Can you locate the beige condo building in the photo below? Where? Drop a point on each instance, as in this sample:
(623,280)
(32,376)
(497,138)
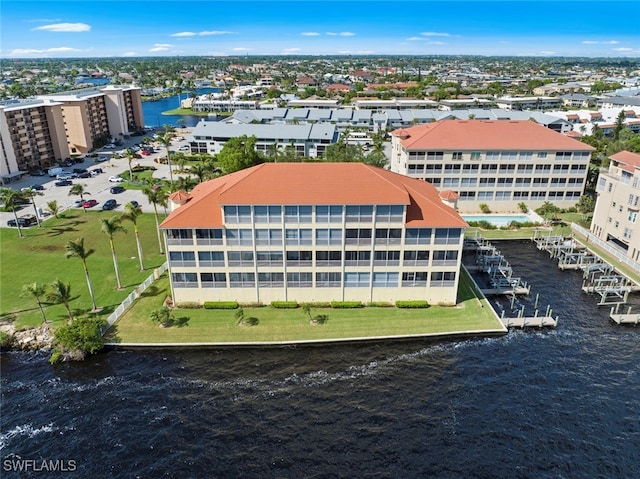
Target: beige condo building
(615,219)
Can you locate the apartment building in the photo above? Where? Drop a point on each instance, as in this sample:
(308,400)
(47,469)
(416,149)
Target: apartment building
(615,218)
(31,137)
(313,232)
(308,139)
(529,103)
(94,114)
(497,163)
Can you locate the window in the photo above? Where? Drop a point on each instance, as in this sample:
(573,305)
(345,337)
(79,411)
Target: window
(537,182)
(413,279)
(237,214)
(456,155)
(485,195)
(520,195)
(357,258)
(242,280)
(179,236)
(450,182)
(182,258)
(632,216)
(328,237)
(493,155)
(542,154)
(560,168)
(489,168)
(385,280)
(476,156)
(299,258)
(543,168)
(388,235)
(270,280)
(298,237)
(417,236)
(448,236)
(452,169)
(359,213)
(210,258)
(442,279)
(445,258)
(487,182)
(269,258)
(389,213)
(297,214)
(470,169)
(468,182)
(563,155)
(267,214)
(329,214)
(430,169)
(523,182)
(358,236)
(556,195)
(213,280)
(387,258)
(328,280)
(328,258)
(211,237)
(538,195)
(239,237)
(525,168)
(467,195)
(503,195)
(184,280)
(435,155)
(269,237)
(416,169)
(240,258)
(558,181)
(299,280)
(356,280)
(416,258)
(507,168)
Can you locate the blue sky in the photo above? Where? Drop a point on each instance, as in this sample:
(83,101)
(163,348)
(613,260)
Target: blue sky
(54,29)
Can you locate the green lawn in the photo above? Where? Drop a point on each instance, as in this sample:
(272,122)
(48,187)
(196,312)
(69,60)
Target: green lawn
(276,325)
(40,256)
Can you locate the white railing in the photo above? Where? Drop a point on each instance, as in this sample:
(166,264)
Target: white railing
(135,294)
(616,253)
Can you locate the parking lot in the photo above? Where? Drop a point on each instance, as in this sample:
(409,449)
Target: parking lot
(98,186)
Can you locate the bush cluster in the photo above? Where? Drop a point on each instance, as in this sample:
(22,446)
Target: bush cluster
(346,304)
(412,304)
(221,305)
(380,304)
(284,304)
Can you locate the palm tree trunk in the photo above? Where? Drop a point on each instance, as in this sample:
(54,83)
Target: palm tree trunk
(93,299)
(139,249)
(115,263)
(155,210)
(66,305)
(35,210)
(15,215)
(44,318)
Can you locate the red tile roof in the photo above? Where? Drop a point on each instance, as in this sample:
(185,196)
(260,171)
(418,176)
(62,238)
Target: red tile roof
(313,184)
(628,161)
(486,135)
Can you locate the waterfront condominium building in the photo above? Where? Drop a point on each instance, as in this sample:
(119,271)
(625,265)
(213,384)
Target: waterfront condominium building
(312,232)
(94,114)
(615,218)
(497,163)
(31,137)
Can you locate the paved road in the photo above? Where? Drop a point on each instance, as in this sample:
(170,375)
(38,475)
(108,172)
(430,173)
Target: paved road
(98,186)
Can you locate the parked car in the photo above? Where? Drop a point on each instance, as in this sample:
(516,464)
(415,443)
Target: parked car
(116,179)
(23,221)
(63,183)
(89,203)
(79,170)
(110,204)
(116,189)
(184,148)
(38,173)
(86,174)
(37,187)
(67,162)
(134,203)
(145,153)
(65,176)
(96,171)
(109,147)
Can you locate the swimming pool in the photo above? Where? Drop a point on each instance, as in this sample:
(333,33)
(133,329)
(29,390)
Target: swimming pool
(497,220)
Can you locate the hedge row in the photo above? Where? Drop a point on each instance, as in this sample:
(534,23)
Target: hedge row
(284,304)
(346,304)
(412,304)
(221,305)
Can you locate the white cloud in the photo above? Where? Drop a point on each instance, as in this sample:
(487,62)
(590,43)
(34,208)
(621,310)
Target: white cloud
(34,51)
(435,34)
(65,27)
(415,39)
(436,43)
(622,49)
(291,50)
(241,49)
(215,32)
(183,34)
(310,34)
(359,52)
(129,54)
(161,47)
(595,42)
(347,34)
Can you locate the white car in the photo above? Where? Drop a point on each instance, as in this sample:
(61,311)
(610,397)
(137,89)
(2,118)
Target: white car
(109,147)
(116,179)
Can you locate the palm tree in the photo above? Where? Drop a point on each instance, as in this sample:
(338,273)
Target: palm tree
(53,207)
(156,197)
(11,198)
(166,141)
(36,290)
(31,194)
(111,226)
(130,155)
(76,248)
(79,190)
(131,213)
(60,292)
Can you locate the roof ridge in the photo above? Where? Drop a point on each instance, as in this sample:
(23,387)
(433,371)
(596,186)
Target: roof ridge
(377,172)
(243,174)
(443,207)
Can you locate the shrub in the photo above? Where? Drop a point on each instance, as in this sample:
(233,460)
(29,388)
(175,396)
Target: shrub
(6,340)
(484,224)
(414,304)
(346,304)
(485,208)
(380,304)
(189,305)
(74,341)
(284,304)
(319,305)
(221,305)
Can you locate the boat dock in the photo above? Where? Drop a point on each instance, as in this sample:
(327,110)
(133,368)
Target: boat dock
(624,318)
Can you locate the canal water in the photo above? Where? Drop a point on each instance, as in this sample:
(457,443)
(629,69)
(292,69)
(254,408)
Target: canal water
(152,110)
(560,403)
